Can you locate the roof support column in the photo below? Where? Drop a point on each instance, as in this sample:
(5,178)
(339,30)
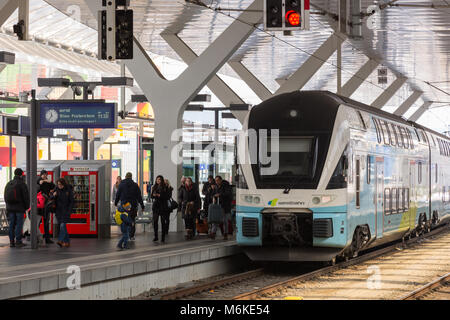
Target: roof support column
(359,77)
(307,70)
(170,98)
(388,93)
(422,109)
(249,78)
(404,107)
(7,8)
(225,94)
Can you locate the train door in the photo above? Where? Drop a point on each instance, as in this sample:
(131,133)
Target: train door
(378,197)
(412,195)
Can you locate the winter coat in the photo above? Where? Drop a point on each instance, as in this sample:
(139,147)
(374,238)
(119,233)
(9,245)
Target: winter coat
(45,187)
(23,197)
(64,204)
(190,195)
(208,192)
(160,203)
(225,195)
(130,192)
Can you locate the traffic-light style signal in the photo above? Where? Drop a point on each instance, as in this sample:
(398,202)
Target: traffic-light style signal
(124,34)
(286,15)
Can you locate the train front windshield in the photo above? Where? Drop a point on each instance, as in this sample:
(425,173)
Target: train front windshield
(293,166)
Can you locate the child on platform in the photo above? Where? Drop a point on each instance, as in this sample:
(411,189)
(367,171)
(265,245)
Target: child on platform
(124,222)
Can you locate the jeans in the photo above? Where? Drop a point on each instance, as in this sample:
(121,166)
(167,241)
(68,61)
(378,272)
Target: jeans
(226,218)
(164,225)
(132,215)
(125,235)
(63,234)
(15,226)
(46,221)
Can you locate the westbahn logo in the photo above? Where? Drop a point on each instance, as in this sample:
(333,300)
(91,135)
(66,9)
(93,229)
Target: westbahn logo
(273,202)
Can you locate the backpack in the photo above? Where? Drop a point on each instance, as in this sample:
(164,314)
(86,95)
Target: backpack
(118,218)
(40,201)
(12,192)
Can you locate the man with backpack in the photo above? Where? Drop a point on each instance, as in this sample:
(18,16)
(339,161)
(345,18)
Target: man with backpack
(130,192)
(45,186)
(17,201)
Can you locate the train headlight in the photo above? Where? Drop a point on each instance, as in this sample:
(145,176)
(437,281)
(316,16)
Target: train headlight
(256,200)
(322,199)
(316,200)
(249,198)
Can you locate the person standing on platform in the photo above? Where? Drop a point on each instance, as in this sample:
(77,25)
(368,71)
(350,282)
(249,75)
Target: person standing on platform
(207,191)
(124,222)
(129,191)
(17,199)
(160,196)
(45,187)
(169,211)
(190,195)
(63,196)
(223,193)
(116,187)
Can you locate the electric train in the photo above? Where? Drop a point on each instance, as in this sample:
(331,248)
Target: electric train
(348,177)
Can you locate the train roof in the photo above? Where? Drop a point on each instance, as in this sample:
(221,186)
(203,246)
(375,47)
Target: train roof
(336,100)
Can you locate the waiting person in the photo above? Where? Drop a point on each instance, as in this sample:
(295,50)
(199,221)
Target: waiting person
(64,201)
(116,187)
(160,197)
(169,211)
(207,191)
(180,191)
(129,191)
(17,199)
(45,187)
(124,222)
(190,206)
(224,195)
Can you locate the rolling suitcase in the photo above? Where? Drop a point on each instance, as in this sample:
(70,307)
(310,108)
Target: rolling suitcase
(215,213)
(202,225)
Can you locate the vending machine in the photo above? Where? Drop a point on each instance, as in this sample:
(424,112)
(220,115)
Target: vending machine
(91,183)
(53,168)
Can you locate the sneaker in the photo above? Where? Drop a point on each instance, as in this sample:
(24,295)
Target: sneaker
(66,244)
(132,239)
(60,244)
(20,244)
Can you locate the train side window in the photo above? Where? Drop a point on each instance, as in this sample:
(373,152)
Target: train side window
(401,200)
(419,176)
(406,198)
(405,138)
(358,183)
(394,199)
(394,138)
(387,201)
(385,131)
(369,169)
(377,129)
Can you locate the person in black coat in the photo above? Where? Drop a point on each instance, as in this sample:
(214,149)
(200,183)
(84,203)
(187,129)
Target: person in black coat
(45,186)
(190,195)
(63,196)
(167,216)
(16,208)
(129,191)
(160,208)
(207,191)
(224,195)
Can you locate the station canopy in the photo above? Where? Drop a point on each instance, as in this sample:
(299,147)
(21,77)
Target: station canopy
(410,39)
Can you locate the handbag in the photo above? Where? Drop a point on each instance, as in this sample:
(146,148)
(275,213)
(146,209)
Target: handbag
(172,204)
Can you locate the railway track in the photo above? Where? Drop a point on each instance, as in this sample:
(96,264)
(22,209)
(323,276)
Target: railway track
(288,287)
(431,290)
(262,284)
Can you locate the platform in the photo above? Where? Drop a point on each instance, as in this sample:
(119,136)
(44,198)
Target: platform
(42,273)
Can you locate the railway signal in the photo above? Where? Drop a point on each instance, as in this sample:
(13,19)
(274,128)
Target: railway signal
(286,15)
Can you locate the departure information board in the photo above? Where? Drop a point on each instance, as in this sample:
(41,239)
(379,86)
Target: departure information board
(76,114)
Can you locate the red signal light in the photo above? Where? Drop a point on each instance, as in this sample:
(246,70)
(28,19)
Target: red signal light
(293,18)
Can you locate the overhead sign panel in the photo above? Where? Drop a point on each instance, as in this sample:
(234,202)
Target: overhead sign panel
(76,114)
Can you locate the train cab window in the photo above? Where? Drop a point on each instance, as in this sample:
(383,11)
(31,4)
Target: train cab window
(394,200)
(377,129)
(387,201)
(339,178)
(385,131)
(358,183)
(393,135)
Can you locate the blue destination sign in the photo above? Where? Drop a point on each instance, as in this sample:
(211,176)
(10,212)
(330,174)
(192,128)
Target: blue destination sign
(76,115)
